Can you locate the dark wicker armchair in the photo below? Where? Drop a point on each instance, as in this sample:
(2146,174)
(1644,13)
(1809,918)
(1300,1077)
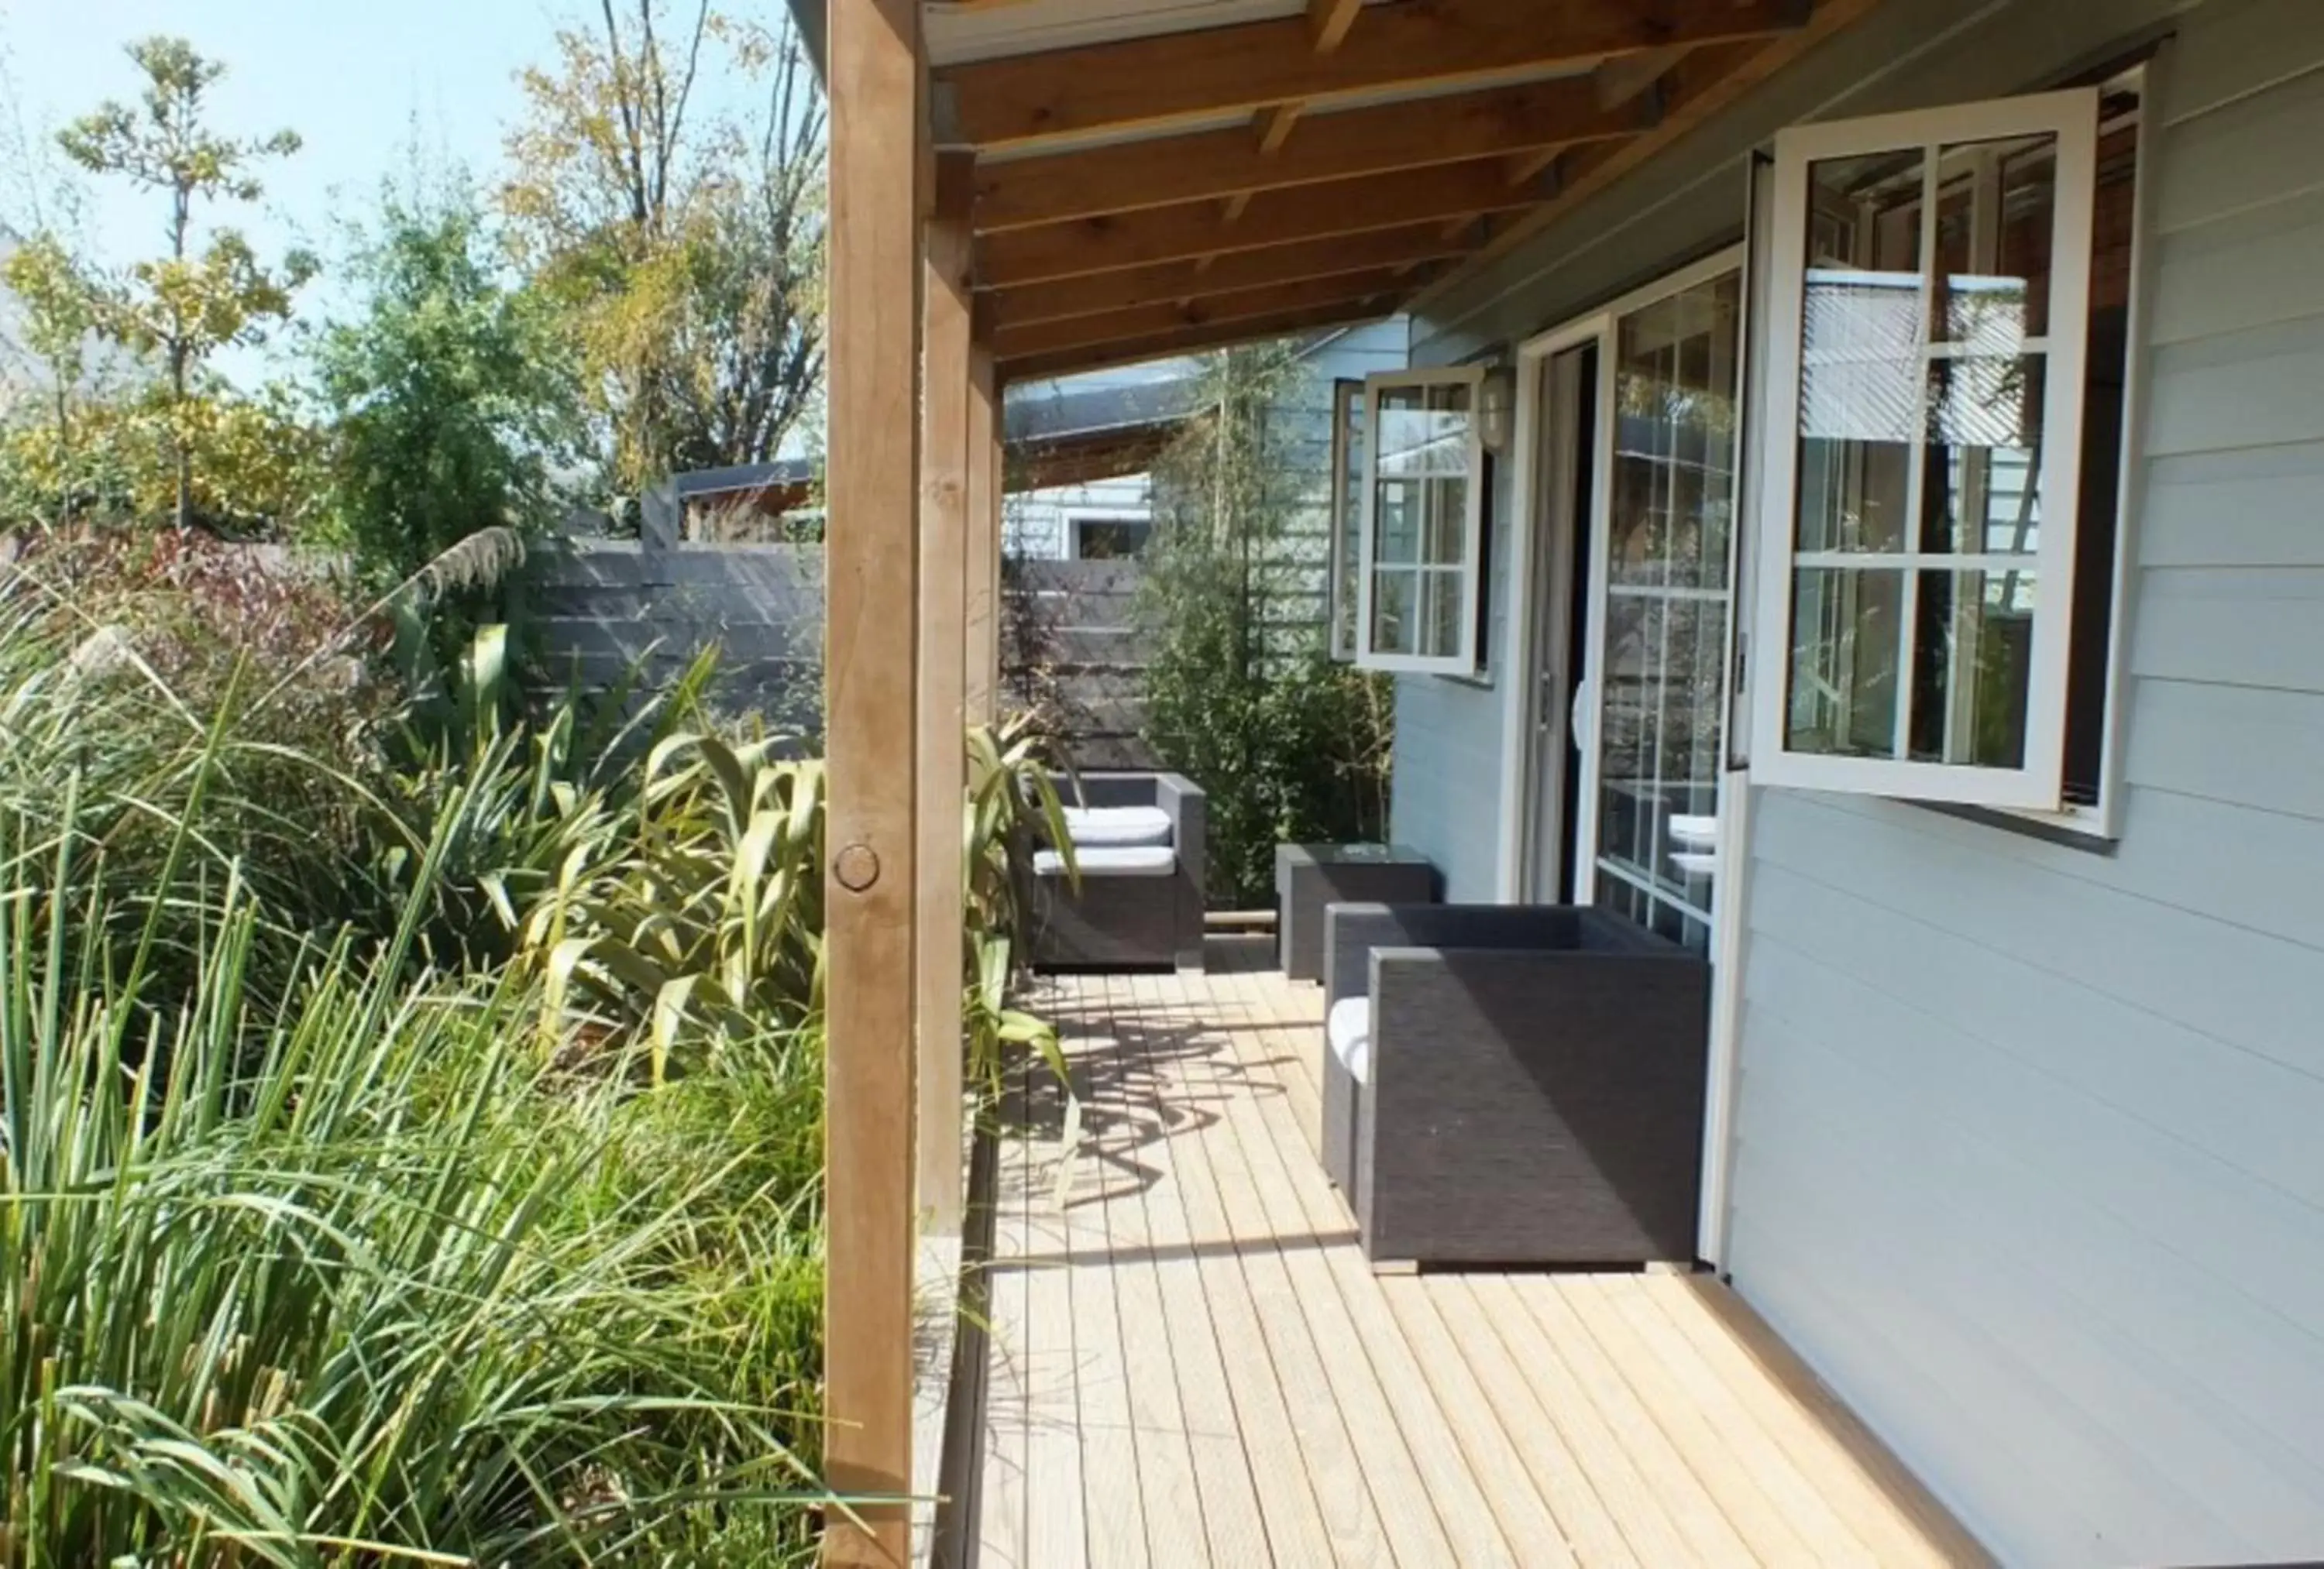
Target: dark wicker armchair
(1140,902)
(1514,1085)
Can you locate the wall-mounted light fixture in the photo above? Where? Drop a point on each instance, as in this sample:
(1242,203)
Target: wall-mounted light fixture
(1497,408)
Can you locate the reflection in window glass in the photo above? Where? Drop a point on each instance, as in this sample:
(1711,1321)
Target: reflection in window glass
(1347,513)
(1396,627)
(1669,527)
(1421,501)
(1922,374)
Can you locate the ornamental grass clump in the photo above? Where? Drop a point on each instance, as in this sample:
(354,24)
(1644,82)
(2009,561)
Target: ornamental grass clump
(311,1254)
(361,1278)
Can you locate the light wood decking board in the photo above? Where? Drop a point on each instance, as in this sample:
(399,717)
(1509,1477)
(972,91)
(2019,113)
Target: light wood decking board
(1194,1364)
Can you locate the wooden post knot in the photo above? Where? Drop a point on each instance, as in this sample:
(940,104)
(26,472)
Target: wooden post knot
(856,866)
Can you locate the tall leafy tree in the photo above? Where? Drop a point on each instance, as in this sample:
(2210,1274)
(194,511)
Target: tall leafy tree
(207,290)
(451,391)
(683,238)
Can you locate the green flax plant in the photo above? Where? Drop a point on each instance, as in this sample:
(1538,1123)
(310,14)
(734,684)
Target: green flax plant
(698,916)
(357,1277)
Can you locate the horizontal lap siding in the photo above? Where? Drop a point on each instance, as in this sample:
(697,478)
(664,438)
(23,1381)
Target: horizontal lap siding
(2029,1136)
(1447,781)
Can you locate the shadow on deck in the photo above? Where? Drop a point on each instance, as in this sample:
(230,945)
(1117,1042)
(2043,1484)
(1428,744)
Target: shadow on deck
(1192,1365)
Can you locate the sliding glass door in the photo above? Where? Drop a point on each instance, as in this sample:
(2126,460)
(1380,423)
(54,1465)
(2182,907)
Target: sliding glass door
(1661,596)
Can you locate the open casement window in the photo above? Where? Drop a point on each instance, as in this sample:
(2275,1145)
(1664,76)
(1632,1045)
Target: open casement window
(1928,318)
(1424,492)
(1347,511)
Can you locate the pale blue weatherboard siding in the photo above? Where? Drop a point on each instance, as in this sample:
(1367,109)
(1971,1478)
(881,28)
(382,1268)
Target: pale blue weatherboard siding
(1448,780)
(2029,1155)
(2030,1158)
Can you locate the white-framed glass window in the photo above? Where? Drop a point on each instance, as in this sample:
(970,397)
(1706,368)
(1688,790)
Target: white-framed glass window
(1929,341)
(1423,493)
(1347,511)
(1660,586)
(1110,538)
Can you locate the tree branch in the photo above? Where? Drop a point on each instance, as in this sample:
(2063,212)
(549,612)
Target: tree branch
(630,111)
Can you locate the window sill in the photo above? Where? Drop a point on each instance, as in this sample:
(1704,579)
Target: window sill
(2089,829)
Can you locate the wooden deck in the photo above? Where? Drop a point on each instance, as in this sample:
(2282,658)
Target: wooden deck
(1192,1365)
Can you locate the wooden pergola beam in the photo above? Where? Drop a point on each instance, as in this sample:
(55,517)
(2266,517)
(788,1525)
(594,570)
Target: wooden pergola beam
(1628,77)
(984,503)
(1055,188)
(1024,100)
(876,72)
(1278,217)
(1101,293)
(1155,320)
(945,375)
(1191,340)
(1328,21)
(1691,92)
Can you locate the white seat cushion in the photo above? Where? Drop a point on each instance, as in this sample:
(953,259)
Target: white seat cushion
(1349,1028)
(1111,827)
(1144,860)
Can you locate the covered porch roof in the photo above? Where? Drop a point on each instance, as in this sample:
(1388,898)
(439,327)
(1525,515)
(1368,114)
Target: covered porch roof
(1031,190)
(1157,177)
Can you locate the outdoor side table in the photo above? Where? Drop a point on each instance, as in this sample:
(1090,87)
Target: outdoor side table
(1308,877)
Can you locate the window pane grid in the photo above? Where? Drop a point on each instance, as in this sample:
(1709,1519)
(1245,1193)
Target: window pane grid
(1919,454)
(1422,501)
(1661,655)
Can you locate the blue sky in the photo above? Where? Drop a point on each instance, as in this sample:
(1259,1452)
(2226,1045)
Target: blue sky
(353,79)
(357,79)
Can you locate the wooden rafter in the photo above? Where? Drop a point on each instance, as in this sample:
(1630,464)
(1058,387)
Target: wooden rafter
(1103,292)
(1027,99)
(1151,320)
(983,509)
(1191,340)
(1626,77)
(1691,92)
(1158,172)
(1328,21)
(1278,217)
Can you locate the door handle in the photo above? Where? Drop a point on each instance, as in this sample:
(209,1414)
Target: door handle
(1577,716)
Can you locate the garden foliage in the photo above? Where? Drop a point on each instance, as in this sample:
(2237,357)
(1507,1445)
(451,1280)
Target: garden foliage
(1241,695)
(349,1215)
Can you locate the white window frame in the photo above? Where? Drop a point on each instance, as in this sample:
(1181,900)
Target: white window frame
(1346,582)
(1462,661)
(1078,515)
(2071,117)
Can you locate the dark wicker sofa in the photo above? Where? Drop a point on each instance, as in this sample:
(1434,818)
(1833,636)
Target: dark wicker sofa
(1138,904)
(1515,1085)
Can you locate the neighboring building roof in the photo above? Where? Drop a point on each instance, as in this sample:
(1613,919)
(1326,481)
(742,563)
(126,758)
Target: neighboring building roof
(782,474)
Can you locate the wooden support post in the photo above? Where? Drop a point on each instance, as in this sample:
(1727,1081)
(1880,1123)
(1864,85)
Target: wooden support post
(943,716)
(995,655)
(876,74)
(983,656)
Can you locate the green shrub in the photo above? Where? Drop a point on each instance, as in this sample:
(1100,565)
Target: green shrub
(1240,695)
(361,1274)
(313,1255)
(332,1236)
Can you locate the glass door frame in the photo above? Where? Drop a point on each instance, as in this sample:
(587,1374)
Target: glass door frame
(1545,677)
(1582,698)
